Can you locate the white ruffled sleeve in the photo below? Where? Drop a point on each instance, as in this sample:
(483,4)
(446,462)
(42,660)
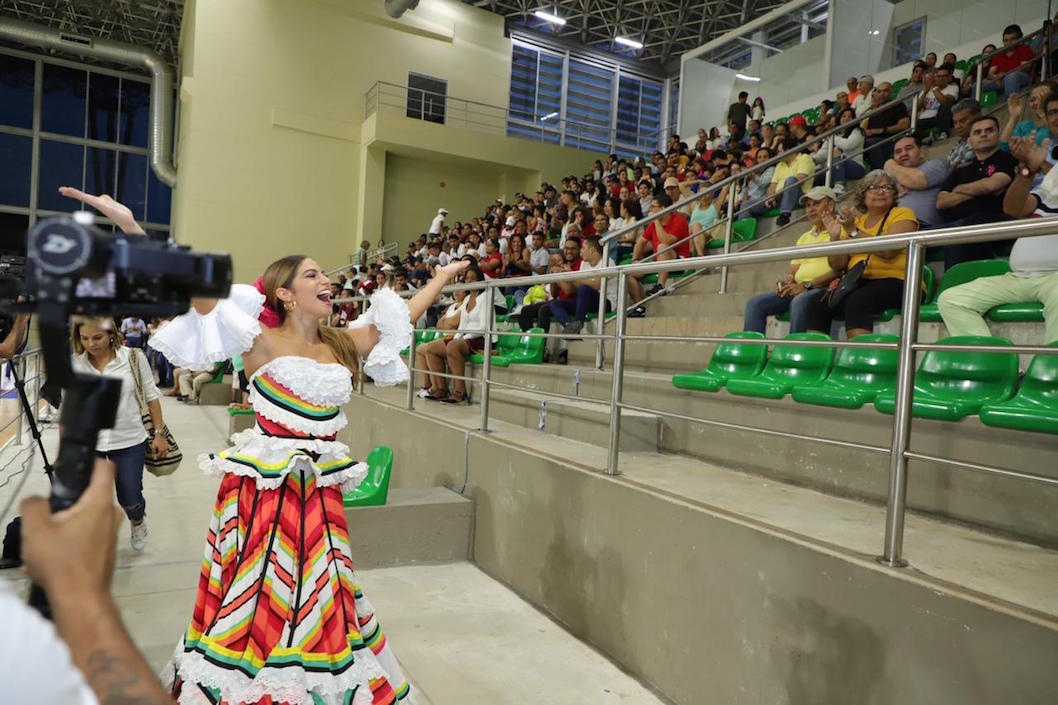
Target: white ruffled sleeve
(389,313)
(199,342)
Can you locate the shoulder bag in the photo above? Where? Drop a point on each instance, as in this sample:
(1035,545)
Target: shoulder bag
(168,463)
(852,278)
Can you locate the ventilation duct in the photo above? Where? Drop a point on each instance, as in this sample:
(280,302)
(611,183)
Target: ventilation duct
(161,108)
(396,8)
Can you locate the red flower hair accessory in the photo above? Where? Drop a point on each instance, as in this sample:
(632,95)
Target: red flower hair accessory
(268,316)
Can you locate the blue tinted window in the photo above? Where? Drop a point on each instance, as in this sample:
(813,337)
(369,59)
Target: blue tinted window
(16,91)
(63,100)
(103,107)
(60,165)
(100,170)
(132,183)
(135,110)
(16,155)
(159,199)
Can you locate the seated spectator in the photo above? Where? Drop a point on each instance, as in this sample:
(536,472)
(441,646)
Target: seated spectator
(705,217)
(538,313)
(792,179)
(882,285)
(630,213)
(1033,260)
(755,192)
(781,133)
(586,297)
(974,193)
(914,87)
(969,86)
(806,279)
(667,238)
(455,350)
(852,88)
(1009,69)
(864,89)
(935,102)
(841,103)
(878,147)
(958,74)
(1027,123)
(191,384)
(798,127)
(963,114)
(538,254)
(919,179)
(848,152)
(491,264)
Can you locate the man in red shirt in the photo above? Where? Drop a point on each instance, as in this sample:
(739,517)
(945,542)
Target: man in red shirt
(1009,70)
(669,236)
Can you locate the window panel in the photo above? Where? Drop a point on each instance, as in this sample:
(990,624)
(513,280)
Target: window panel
(589,98)
(103,94)
(135,113)
(16,154)
(132,183)
(16,91)
(100,172)
(61,164)
(63,100)
(159,199)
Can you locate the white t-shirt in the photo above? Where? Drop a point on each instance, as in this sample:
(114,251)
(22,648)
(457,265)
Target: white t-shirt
(128,426)
(931,105)
(436,225)
(35,664)
(471,320)
(1038,256)
(611,286)
(862,103)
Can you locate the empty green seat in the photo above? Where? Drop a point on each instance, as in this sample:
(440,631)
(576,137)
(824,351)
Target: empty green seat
(950,386)
(899,85)
(1035,406)
(742,230)
(504,346)
(789,366)
(961,274)
(729,361)
(374,488)
(423,336)
(859,375)
(516,350)
(989,98)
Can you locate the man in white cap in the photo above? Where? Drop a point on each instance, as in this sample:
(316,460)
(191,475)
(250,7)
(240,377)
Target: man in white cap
(438,222)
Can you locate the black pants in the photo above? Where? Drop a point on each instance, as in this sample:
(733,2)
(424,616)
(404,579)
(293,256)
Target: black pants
(859,308)
(874,154)
(942,121)
(535,316)
(971,251)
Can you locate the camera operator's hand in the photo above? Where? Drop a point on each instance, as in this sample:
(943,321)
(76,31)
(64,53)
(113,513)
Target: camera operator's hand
(119,213)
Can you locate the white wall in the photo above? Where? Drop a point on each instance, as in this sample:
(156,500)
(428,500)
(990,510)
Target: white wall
(956,22)
(857,50)
(705,93)
(788,76)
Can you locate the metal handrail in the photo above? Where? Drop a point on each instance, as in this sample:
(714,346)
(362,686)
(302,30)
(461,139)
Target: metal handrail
(31,382)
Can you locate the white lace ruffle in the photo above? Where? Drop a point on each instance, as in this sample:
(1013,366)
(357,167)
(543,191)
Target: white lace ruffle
(390,315)
(198,342)
(271,451)
(290,420)
(319,383)
(290,684)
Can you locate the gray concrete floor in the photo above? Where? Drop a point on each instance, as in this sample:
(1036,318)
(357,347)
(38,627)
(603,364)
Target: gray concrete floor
(461,636)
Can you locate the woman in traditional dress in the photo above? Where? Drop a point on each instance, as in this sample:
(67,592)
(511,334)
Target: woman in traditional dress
(280,618)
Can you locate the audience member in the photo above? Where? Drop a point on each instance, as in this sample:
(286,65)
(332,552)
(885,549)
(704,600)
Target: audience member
(969,86)
(963,115)
(882,126)
(191,384)
(919,180)
(1010,68)
(791,180)
(669,241)
(805,280)
(935,102)
(738,113)
(755,192)
(435,225)
(882,284)
(455,350)
(491,264)
(537,314)
(1030,122)
(914,87)
(586,293)
(852,87)
(848,152)
(704,217)
(864,89)
(974,193)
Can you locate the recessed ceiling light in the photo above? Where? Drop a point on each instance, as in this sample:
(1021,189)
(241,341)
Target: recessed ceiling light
(549,116)
(744,77)
(549,17)
(628,42)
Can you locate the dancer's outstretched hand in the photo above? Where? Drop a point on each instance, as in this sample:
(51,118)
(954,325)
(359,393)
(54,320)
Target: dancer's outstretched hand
(119,213)
(451,269)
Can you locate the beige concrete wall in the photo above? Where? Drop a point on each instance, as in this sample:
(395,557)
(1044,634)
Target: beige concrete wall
(711,609)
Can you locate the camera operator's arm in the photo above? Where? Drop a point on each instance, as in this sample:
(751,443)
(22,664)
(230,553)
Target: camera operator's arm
(71,556)
(118,213)
(10,345)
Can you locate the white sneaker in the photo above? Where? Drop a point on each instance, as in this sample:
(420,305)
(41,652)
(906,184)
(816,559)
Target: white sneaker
(48,414)
(139,536)
(423,393)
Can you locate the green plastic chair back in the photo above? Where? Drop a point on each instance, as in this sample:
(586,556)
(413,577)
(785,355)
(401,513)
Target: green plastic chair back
(989,98)
(729,361)
(961,65)
(509,298)
(859,375)
(789,366)
(744,229)
(899,86)
(507,343)
(1035,406)
(374,489)
(952,385)
(529,349)
(968,271)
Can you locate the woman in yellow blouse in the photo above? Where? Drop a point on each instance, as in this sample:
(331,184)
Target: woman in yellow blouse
(882,285)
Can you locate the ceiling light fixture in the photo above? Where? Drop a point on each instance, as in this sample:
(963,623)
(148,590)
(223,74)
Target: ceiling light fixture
(549,17)
(549,116)
(744,77)
(628,42)
(874,32)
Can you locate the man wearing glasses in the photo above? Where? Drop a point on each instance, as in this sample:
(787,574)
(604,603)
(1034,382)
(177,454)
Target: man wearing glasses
(974,193)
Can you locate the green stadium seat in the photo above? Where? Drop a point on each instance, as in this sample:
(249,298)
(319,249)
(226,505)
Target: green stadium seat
(729,361)
(1027,312)
(788,366)
(989,99)
(899,85)
(960,274)
(516,350)
(423,336)
(859,375)
(374,489)
(927,280)
(949,386)
(240,412)
(961,65)
(742,230)
(1035,406)
(500,356)
(593,316)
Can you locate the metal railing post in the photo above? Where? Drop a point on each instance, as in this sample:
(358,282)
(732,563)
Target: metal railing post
(828,178)
(486,354)
(617,387)
(411,373)
(732,196)
(1045,62)
(914,114)
(600,346)
(20,370)
(980,76)
(892,552)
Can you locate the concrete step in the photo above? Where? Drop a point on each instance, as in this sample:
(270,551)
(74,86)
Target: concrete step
(585,421)
(416,526)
